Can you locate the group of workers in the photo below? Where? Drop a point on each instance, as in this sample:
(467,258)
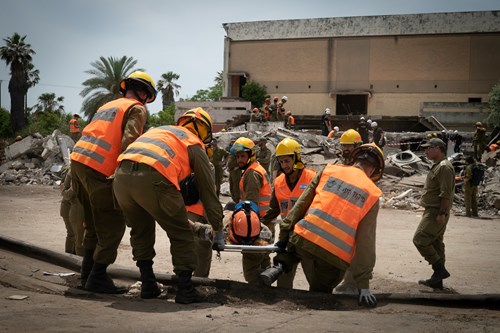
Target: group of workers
(123,176)
(275,111)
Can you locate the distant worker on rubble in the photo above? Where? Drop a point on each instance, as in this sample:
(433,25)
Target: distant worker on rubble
(348,196)
(363,130)
(254,186)
(255,116)
(457,138)
(266,109)
(164,170)
(437,198)
(326,122)
(333,132)
(115,125)
(74,127)
(218,159)
(471,181)
(273,109)
(479,141)
(288,187)
(289,120)
(378,135)
(264,154)
(281,108)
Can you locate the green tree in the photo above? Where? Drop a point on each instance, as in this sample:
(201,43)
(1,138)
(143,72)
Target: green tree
(494,104)
(18,55)
(168,88)
(213,93)
(164,117)
(48,102)
(254,92)
(104,85)
(5,129)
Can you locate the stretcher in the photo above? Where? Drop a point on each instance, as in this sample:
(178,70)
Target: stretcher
(250,248)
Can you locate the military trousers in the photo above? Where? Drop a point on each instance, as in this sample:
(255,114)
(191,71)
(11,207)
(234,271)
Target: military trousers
(429,236)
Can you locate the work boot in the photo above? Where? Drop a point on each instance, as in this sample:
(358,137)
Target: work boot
(440,272)
(186,293)
(87,263)
(438,284)
(100,282)
(149,287)
(272,274)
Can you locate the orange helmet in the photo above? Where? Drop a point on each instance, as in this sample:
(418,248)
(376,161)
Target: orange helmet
(244,227)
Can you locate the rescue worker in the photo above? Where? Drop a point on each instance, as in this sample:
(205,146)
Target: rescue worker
(255,115)
(288,187)
(218,159)
(281,108)
(334,223)
(437,198)
(289,120)
(234,176)
(94,158)
(264,154)
(266,109)
(363,130)
(164,170)
(479,141)
(333,132)
(73,216)
(326,123)
(458,141)
(254,186)
(378,135)
(273,109)
(349,140)
(74,127)
(470,190)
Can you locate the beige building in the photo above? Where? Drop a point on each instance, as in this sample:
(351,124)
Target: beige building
(441,64)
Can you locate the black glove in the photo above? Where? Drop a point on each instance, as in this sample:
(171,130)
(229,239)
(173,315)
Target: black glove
(218,243)
(281,245)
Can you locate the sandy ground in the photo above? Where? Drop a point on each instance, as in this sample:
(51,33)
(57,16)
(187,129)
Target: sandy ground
(31,214)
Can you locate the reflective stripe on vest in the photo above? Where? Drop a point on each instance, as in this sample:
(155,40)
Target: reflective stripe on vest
(287,198)
(72,126)
(165,149)
(343,197)
(101,140)
(265,190)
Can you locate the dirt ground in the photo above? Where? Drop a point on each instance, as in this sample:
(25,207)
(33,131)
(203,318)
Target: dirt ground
(53,304)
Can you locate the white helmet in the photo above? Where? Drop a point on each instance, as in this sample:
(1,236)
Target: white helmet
(327,111)
(284,98)
(455,131)
(374,124)
(369,121)
(362,118)
(336,129)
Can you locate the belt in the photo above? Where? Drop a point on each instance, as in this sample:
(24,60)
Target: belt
(129,165)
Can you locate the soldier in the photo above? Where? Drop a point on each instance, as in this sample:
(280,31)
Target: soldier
(74,127)
(264,154)
(479,141)
(218,159)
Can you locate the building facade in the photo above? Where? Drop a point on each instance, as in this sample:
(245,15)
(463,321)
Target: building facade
(396,65)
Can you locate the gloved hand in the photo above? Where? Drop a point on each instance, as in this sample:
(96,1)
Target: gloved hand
(218,244)
(281,244)
(366,298)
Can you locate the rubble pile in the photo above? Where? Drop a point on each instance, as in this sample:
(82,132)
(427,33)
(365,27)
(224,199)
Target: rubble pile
(40,160)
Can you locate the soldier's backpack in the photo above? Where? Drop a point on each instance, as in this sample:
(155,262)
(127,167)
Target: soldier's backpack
(477,174)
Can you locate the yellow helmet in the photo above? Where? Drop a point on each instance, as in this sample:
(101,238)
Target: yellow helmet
(139,80)
(287,147)
(350,137)
(199,122)
(371,153)
(243,144)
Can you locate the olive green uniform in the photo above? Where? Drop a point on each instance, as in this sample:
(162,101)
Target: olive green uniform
(470,193)
(73,216)
(104,222)
(218,159)
(479,142)
(328,270)
(253,263)
(285,280)
(428,238)
(234,178)
(264,157)
(147,196)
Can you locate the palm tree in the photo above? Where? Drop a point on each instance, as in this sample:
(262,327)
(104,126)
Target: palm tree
(104,86)
(168,88)
(48,102)
(18,54)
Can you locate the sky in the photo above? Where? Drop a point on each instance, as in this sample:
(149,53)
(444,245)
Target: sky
(185,37)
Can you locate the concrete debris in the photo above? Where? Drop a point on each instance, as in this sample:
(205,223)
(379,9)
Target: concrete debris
(41,160)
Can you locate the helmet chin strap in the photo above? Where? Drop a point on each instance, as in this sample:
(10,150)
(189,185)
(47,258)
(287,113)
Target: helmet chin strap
(137,97)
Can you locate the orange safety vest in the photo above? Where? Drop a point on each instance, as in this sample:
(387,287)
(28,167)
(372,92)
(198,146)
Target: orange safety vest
(197,208)
(291,120)
(165,149)
(287,198)
(73,126)
(343,197)
(100,144)
(265,190)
